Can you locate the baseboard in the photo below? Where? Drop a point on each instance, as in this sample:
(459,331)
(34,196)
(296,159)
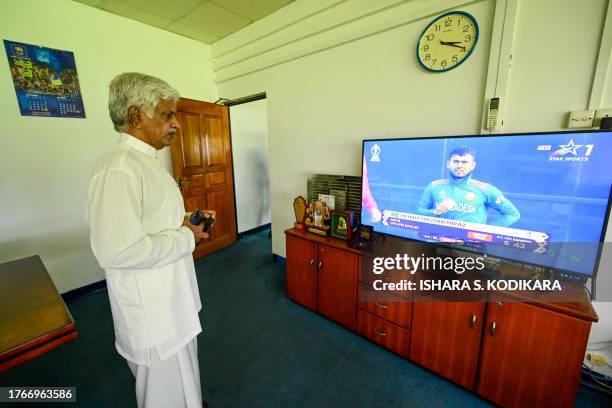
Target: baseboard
(96,286)
(279,259)
(84,290)
(254,230)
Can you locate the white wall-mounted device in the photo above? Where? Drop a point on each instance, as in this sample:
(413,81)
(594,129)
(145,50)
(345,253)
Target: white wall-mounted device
(493,115)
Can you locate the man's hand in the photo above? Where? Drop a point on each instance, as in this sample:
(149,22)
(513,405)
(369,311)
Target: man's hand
(444,206)
(209,213)
(198,230)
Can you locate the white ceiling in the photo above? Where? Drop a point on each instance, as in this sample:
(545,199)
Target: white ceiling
(203,20)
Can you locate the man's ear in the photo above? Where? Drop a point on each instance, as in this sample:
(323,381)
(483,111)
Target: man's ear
(134,117)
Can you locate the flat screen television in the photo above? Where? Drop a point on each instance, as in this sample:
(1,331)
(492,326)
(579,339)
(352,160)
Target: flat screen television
(536,198)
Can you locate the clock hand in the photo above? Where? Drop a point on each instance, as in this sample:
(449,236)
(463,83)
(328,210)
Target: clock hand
(452,44)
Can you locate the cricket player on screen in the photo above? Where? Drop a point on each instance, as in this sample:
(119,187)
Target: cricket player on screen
(460,197)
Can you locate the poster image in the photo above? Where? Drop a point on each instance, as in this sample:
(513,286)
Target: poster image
(46,81)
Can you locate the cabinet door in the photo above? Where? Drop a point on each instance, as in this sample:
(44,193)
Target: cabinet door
(531,356)
(302,272)
(445,338)
(337,284)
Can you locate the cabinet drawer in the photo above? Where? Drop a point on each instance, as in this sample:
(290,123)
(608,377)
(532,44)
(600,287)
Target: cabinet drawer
(384,333)
(393,308)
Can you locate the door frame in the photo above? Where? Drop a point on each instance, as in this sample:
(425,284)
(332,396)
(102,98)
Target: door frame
(229,103)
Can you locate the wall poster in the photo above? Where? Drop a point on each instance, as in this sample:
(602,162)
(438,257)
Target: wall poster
(46,81)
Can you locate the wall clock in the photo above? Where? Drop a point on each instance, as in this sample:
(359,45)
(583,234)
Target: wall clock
(447,41)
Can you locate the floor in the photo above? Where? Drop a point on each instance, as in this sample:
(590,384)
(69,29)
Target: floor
(258,349)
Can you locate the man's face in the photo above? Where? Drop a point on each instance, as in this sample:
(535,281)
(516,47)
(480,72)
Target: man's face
(161,128)
(461,166)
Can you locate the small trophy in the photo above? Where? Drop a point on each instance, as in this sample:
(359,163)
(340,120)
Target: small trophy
(299,208)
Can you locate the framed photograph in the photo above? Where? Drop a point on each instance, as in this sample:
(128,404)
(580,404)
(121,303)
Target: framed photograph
(342,224)
(318,218)
(329,200)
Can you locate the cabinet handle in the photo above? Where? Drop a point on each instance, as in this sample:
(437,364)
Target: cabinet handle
(320,265)
(492,329)
(498,304)
(311,263)
(380,333)
(381,305)
(473,321)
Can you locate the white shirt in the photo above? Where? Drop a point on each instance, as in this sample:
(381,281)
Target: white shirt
(135,212)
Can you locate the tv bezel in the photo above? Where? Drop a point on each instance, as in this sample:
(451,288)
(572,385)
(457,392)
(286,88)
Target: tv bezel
(570,273)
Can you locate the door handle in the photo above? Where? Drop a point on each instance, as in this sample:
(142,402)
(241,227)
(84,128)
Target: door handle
(473,321)
(493,326)
(311,263)
(320,265)
(180,182)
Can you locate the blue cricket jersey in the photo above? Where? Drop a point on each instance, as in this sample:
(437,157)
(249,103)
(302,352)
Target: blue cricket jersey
(472,199)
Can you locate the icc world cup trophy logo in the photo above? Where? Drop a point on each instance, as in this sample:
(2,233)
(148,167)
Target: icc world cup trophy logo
(375,151)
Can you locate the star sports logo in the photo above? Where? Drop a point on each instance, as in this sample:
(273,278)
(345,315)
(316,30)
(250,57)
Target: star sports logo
(569,152)
(567,148)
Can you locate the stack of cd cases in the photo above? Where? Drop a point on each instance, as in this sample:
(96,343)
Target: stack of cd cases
(346,190)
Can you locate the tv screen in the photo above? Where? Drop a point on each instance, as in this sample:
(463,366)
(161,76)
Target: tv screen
(539,198)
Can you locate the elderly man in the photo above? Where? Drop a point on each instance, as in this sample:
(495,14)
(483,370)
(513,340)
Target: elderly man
(143,240)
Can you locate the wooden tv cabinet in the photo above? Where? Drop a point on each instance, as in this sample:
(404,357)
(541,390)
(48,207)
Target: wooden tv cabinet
(515,351)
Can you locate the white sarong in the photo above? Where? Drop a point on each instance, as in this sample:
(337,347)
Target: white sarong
(174,382)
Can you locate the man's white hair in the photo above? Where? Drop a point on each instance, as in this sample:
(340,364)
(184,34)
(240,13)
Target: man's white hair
(136,89)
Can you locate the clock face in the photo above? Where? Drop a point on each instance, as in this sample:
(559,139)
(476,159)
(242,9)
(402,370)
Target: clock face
(447,41)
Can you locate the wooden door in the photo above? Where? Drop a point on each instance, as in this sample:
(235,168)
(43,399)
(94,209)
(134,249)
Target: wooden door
(301,279)
(337,285)
(202,163)
(445,338)
(533,356)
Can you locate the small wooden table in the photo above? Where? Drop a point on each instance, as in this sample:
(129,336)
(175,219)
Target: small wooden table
(33,316)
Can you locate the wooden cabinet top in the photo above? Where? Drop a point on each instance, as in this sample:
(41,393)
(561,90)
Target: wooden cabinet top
(329,241)
(580,307)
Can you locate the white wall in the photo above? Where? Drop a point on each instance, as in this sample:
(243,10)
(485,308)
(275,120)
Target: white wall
(334,78)
(554,54)
(45,163)
(321,105)
(249,125)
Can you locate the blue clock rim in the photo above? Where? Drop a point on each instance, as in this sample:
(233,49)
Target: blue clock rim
(468,15)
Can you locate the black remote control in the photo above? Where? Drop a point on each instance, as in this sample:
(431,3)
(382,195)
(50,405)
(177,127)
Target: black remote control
(197,218)
(208,223)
